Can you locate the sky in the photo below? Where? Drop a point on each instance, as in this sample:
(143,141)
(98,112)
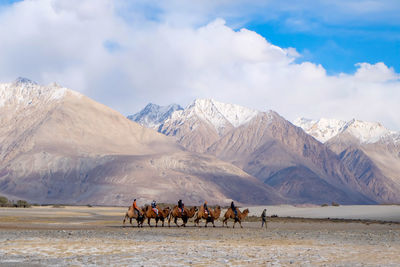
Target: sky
(306,58)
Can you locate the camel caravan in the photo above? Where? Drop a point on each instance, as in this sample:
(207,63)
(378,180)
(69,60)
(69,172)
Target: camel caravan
(153,211)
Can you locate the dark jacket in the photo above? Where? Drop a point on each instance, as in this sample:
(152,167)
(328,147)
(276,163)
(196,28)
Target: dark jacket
(264,215)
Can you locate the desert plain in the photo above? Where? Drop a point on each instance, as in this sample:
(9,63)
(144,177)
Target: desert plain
(74,235)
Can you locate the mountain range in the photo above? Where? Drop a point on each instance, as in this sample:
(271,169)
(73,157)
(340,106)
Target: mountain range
(368,149)
(308,161)
(59,146)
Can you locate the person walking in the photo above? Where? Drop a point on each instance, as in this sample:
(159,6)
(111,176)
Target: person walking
(264,218)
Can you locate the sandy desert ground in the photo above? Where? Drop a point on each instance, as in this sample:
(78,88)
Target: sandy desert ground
(95,236)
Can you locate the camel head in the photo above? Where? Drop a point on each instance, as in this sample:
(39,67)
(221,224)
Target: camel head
(217,212)
(166,210)
(192,211)
(245,212)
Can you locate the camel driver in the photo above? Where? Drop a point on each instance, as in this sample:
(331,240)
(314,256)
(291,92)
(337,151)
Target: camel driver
(234,208)
(206,209)
(264,218)
(181,206)
(154,207)
(135,207)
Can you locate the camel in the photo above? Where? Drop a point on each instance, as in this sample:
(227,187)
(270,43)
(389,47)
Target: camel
(162,214)
(229,214)
(132,214)
(176,213)
(214,215)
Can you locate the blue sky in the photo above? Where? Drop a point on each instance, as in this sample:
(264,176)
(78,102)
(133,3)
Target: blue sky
(304,58)
(338,51)
(8,2)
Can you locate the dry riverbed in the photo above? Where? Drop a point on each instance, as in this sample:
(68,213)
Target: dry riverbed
(95,236)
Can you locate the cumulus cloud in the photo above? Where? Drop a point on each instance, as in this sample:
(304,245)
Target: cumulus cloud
(125,56)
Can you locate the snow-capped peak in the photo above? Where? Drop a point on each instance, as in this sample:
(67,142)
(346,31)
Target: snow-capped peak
(23,92)
(23,80)
(217,113)
(322,129)
(152,116)
(366,132)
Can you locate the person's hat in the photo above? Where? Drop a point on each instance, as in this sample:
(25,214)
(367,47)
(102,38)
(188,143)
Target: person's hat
(134,199)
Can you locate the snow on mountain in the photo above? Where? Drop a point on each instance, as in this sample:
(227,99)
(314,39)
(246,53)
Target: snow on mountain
(322,129)
(219,115)
(152,116)
(366,132)
(24,92)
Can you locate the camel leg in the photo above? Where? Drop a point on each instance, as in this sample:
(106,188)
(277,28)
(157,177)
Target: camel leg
(240,224)
(176,221)
(184,222)
(213,223)
(162,222)
(123,222)
(225,222)
(148,221)
(234,224)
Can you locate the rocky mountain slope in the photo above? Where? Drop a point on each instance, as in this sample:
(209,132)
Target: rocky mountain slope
(203,122)
(58,146)
(268,147)
(368,149)
(283,156)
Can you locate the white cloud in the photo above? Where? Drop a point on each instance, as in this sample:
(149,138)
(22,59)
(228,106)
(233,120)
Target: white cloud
(125,62)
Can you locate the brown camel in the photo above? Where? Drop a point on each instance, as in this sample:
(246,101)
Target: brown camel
(214,215)
(185,216)
(162,214)
(133,214)
(229,214)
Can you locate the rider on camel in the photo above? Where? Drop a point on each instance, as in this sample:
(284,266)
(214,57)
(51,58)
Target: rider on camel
(206,209)
(135,207)
(233,207)
(154,207)
(181,206)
